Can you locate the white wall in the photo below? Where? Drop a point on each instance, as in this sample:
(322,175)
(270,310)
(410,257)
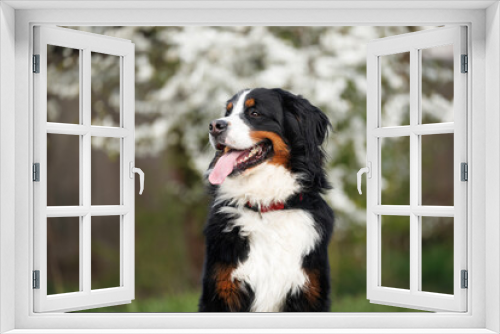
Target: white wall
(7,163)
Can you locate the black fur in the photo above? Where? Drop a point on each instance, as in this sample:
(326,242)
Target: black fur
(303,127)
(306,128)
(226,248)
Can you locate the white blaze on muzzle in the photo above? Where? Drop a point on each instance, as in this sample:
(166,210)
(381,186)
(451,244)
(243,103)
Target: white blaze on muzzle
(237,137)
(238,132)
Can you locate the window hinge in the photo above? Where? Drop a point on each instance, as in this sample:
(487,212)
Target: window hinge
(465,279)
(465,64)
(464,168)
(36,172)
(36,279)
(36,63)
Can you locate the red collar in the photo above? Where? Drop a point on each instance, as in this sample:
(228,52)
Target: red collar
(273,207)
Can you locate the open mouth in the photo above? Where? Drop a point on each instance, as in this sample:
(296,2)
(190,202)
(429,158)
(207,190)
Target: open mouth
(252,156)
(233,161)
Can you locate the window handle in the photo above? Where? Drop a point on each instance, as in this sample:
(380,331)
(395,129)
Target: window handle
(368,171)
(141,175)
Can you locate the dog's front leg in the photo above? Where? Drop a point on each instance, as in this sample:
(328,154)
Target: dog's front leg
(233,294)
(225,250)
(314,295)
(222,293)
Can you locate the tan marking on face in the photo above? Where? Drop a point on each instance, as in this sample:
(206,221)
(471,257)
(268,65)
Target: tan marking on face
(227,288)
(250,103)
(281,151)
(229,106)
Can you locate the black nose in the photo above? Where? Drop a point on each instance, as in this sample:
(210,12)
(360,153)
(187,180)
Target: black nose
(217,127)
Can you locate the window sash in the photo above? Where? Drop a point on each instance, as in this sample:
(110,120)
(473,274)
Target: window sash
(413,298)
(86,43)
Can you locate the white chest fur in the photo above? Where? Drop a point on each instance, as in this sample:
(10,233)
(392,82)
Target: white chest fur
(278,242)
(263,184)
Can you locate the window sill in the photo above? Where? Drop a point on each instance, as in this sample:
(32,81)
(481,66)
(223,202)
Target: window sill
(256,331)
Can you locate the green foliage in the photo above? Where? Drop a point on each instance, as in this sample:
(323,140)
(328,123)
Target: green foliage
(395,170)
(347,253)
(396,251)
(188,302)
(169,224)
(437,254)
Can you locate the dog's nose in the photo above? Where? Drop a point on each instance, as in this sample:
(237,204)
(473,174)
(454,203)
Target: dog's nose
(217,127)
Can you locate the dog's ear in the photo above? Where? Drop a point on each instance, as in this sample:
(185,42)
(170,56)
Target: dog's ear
(308,119)
(306,128)
(302,118)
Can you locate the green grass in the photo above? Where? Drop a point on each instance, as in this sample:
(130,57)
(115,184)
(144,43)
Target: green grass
(359,303)
(188,302)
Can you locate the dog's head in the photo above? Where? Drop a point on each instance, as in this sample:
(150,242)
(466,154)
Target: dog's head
(269,126)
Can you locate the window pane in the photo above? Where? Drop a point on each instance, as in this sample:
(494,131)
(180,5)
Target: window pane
(395,89)
(396,251)
(105,252)
(105,171)
(63,85)
(63,170)
(437,169)
(437,254)
(395,169)
(105,89)
(63,255)
(437,84)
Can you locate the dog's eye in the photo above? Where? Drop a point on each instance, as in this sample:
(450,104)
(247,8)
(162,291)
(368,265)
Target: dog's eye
(228,112)
(254,113)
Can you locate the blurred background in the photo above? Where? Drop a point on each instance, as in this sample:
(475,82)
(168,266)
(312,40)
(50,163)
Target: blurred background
(184,75)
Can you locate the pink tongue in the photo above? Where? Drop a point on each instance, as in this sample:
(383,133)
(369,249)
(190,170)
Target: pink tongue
(223,167)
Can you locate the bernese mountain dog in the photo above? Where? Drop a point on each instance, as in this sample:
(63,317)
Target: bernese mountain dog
(268,228)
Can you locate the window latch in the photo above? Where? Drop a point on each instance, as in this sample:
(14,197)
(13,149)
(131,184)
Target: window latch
(139,171)
(368,171)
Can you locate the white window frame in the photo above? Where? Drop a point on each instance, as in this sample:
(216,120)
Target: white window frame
(414,43)
(483,21)
(86,43)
